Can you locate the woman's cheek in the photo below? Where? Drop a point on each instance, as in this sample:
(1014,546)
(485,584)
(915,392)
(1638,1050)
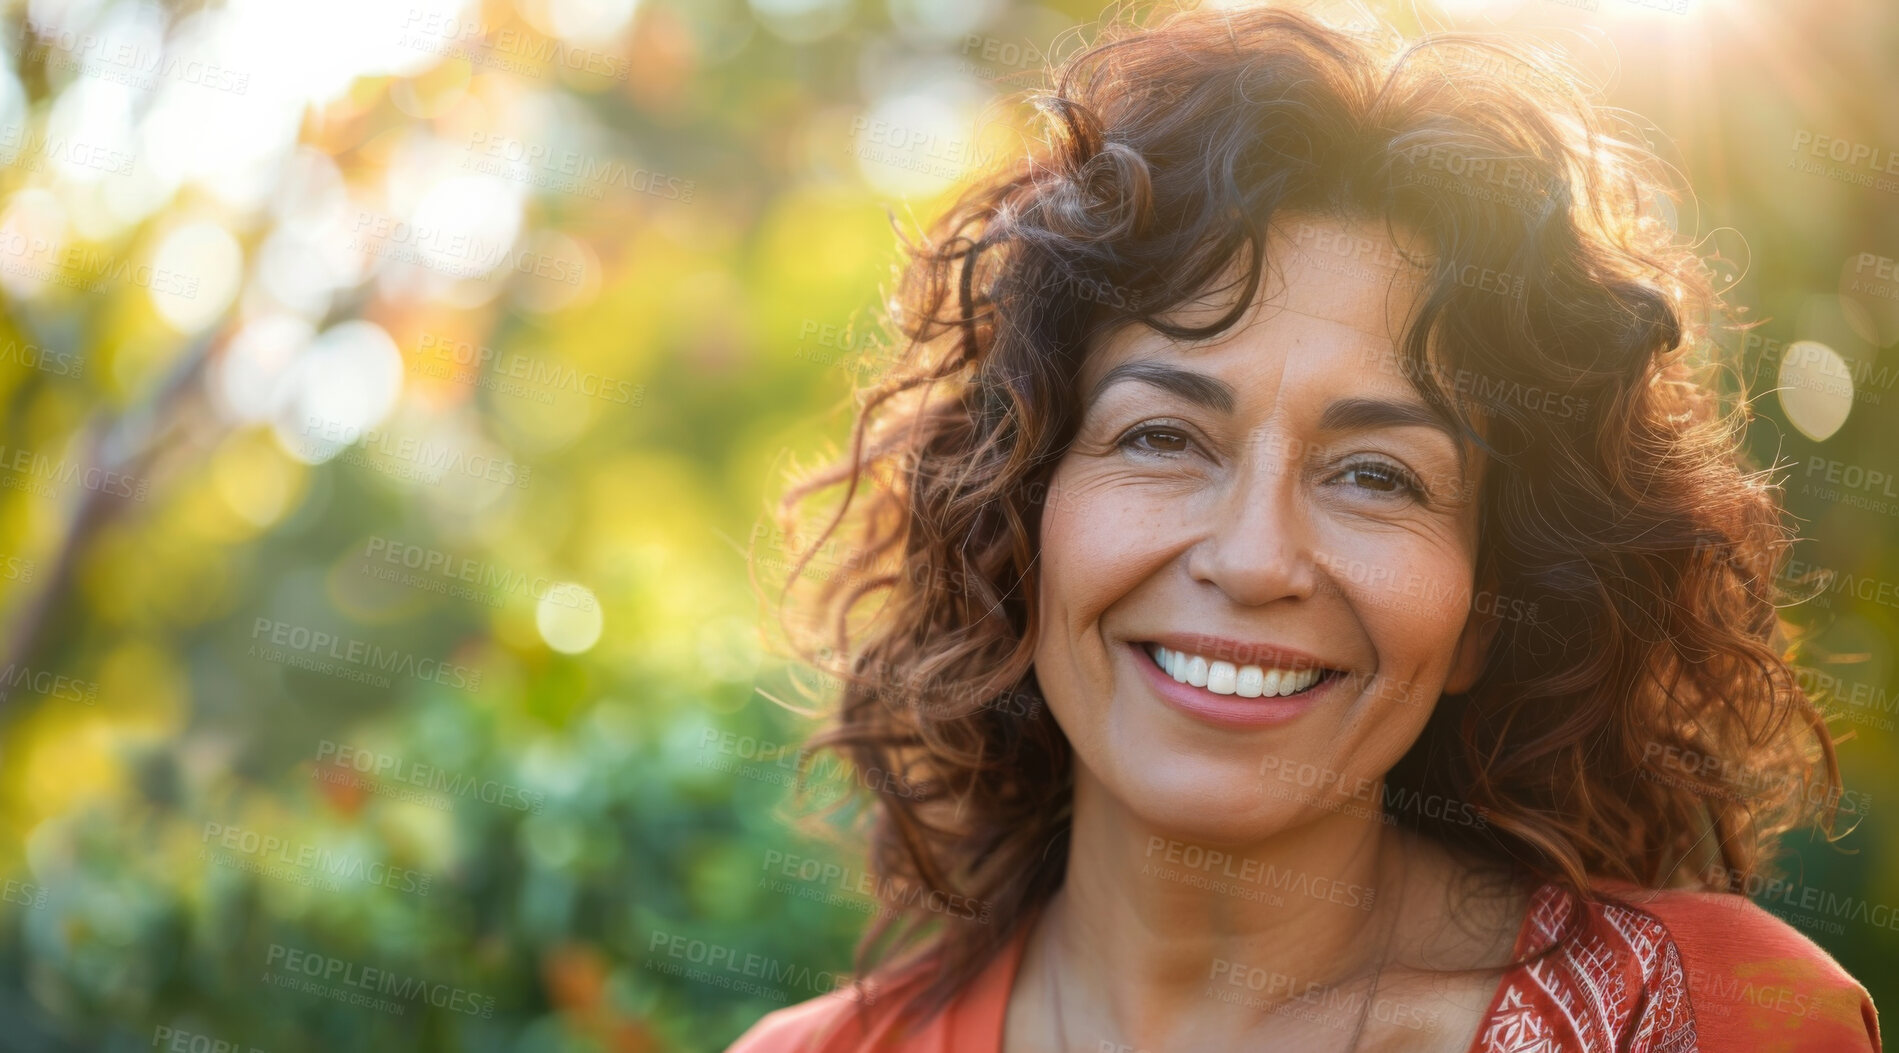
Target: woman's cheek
(1096,550)
(1412,600)
(1088,532)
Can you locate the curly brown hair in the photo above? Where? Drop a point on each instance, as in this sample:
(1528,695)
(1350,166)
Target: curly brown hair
(1650,549)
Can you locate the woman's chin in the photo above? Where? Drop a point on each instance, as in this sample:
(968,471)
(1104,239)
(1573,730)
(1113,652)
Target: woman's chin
(1209,806)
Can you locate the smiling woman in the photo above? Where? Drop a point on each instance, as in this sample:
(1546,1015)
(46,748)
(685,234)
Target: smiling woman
(1374,553)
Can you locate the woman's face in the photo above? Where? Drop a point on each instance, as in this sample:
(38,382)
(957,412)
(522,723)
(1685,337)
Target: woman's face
(1279,499)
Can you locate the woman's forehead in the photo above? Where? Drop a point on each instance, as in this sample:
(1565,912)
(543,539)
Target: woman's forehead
(1345,309)
(1287,343)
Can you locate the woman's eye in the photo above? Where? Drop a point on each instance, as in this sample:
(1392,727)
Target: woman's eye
(1383,478)
(1157,440)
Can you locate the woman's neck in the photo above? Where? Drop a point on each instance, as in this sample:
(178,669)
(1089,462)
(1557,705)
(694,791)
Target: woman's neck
(1161,938)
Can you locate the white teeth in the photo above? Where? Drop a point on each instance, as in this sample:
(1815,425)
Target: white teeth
(1250,682)
(1224,678)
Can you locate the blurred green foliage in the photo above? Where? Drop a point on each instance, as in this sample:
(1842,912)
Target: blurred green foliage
(644,245)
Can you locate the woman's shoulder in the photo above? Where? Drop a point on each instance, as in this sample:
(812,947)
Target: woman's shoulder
(1752,980)
(836,1022)
(866,1018)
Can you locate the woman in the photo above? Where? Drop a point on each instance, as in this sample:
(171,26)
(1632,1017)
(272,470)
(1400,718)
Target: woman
(1319,432)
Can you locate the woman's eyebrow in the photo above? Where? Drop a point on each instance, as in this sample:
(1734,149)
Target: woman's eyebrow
(1198,388)
(1358,413)
(1353,414)
(1369,414)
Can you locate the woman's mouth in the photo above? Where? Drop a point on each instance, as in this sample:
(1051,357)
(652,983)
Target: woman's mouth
(1245,681)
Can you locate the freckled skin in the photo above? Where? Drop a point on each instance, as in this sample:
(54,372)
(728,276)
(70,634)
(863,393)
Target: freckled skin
(1248,525)
(1357,546)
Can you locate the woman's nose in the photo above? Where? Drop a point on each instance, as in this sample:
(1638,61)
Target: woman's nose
(1258,546)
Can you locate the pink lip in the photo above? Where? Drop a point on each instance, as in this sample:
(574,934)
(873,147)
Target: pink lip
(1239,652)
(1229,710)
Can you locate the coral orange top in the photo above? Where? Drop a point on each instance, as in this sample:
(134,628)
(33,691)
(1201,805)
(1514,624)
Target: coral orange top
(1651,972)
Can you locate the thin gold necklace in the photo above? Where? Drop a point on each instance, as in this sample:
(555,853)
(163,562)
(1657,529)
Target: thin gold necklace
(1384,956)
(1358,1032)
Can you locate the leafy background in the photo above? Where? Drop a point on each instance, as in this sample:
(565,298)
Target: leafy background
(577,377)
